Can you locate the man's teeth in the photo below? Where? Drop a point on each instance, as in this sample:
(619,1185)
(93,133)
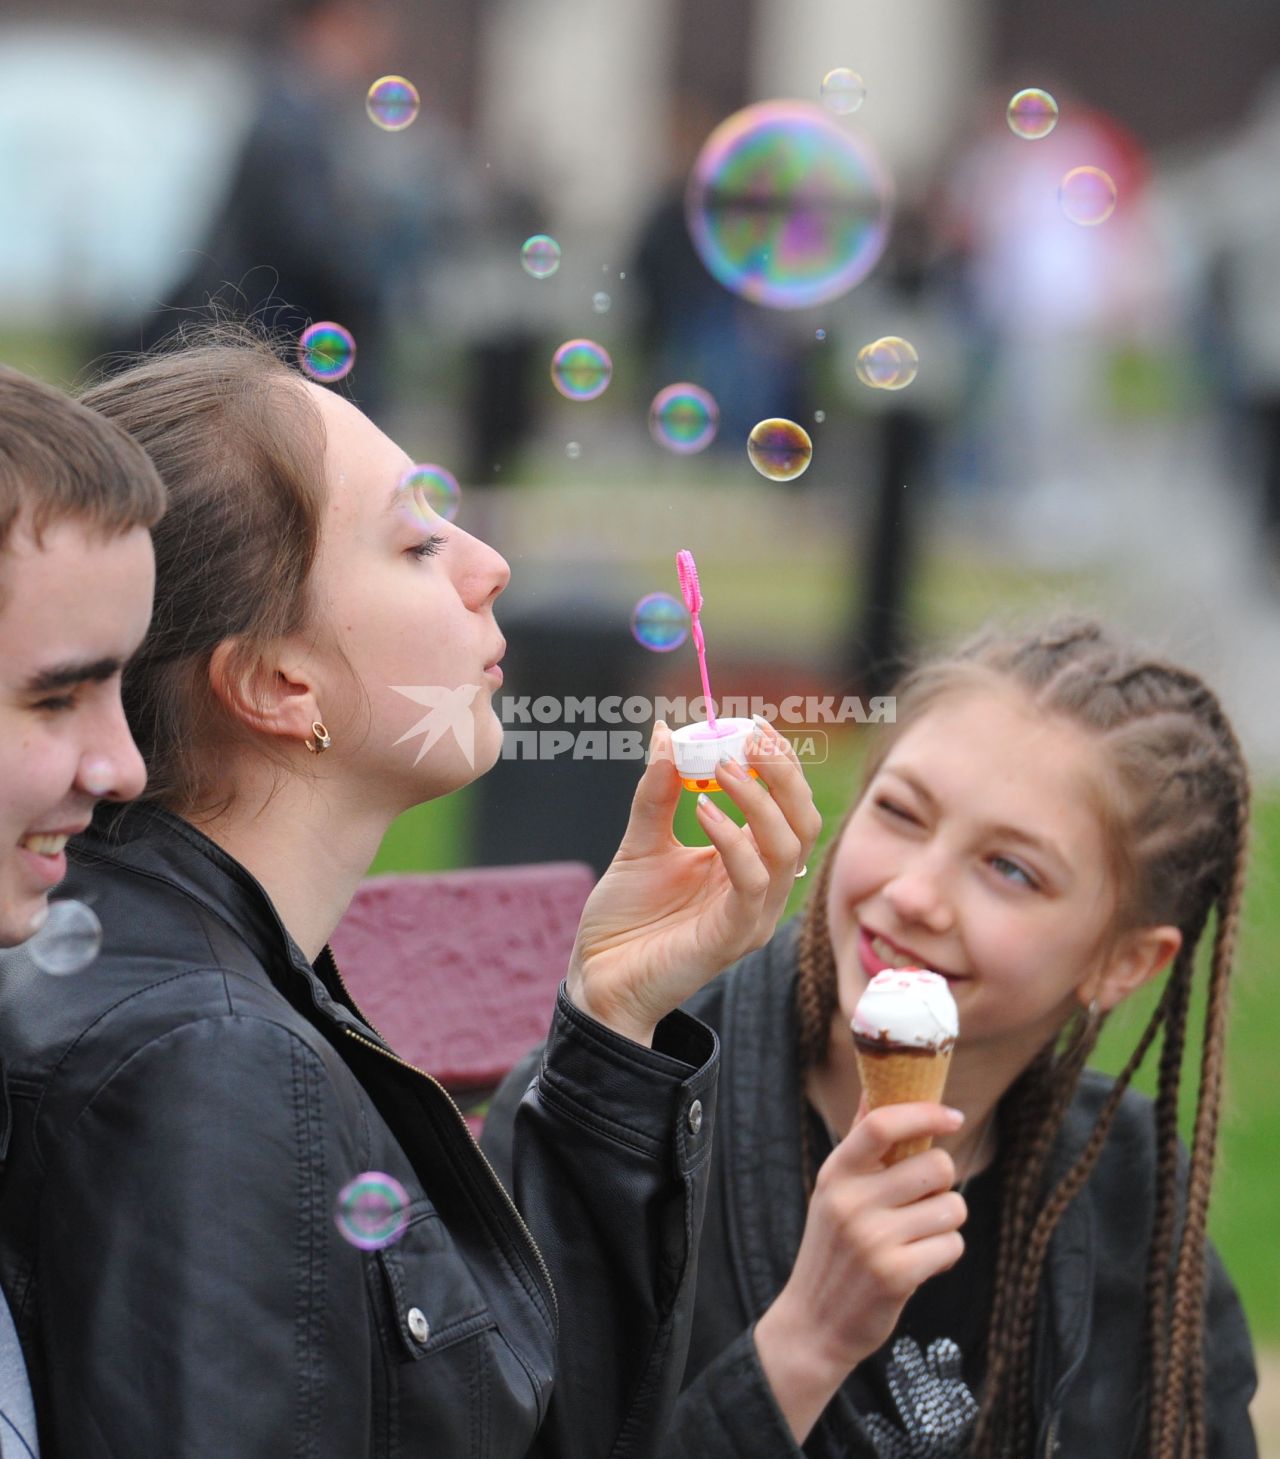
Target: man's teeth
(891,955)
(44,845)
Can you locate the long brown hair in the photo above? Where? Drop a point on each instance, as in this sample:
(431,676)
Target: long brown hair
(1176,821)
(241,449)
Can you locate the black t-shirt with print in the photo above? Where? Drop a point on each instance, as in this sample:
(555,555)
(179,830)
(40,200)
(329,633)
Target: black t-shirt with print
(954,1304)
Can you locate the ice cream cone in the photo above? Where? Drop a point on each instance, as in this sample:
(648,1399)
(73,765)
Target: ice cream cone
(899,1076)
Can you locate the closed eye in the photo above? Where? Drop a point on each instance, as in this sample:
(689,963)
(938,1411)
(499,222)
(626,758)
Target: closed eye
(895,810)
(430,547)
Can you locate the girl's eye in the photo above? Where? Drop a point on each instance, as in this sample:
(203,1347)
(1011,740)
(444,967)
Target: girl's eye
(894,809)
(430,547)
(1017,871)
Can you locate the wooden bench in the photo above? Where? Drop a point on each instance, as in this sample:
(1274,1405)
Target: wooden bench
(458,970)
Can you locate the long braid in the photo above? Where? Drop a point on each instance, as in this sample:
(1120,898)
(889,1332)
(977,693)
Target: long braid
(1175,771)
(1185,1344)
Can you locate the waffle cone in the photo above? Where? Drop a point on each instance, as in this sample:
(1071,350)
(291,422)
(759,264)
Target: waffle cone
(900,1079)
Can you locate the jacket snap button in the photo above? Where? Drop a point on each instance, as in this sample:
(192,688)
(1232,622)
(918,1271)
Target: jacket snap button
(695,1116)
(419,1327)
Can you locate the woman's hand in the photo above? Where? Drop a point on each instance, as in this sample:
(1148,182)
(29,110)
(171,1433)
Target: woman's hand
(666,918)
(873,1234)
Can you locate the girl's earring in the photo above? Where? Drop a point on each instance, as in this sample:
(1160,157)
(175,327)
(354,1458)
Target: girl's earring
(322,740)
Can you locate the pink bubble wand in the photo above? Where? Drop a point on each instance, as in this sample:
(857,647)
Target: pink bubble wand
(687,572)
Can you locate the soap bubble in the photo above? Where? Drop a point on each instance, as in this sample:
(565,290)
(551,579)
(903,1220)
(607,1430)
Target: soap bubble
(326,351)
(427,488)
(819,335)
(373,1210)
(819,416)
(600,302)
(786,207)
(684,418)
(780,449)
(890,363)
(68,940)
(573,450)
(1087,196)
(581,369)
(843,91)
(1032,114)
(660,622)
(540,256)
(392,103)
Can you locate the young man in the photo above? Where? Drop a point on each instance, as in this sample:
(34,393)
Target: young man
(77,501)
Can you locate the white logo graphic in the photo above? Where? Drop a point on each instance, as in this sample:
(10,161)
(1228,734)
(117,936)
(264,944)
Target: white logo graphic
(448,711)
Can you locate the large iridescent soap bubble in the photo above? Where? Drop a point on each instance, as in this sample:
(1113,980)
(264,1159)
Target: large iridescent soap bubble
(788,207)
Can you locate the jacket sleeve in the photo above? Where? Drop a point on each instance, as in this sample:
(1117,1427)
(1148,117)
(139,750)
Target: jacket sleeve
(729,1411)
(194,1294)
(1230,1378)
(610,1162)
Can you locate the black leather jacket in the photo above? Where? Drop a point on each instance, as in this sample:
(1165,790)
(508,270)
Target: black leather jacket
(1089,1386)
(177,1122)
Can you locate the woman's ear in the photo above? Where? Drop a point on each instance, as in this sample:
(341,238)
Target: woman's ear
(1137,957)
(274,699)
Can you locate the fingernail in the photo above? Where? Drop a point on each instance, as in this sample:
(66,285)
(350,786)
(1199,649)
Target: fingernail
(705,803)
(732,769)
(957,1115)
(763,724)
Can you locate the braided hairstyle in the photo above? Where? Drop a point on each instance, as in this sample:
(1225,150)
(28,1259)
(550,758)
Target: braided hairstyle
(1175,819)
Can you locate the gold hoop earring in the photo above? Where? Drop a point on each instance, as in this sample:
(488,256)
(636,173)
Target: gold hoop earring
(322,740)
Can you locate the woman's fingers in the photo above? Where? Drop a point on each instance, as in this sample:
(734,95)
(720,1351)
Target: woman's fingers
(864,1148)
(777,762)
(653,806)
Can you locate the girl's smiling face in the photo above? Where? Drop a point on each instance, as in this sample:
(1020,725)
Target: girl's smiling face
(977,851)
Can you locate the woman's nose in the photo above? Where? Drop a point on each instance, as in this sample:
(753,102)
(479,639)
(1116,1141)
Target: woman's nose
(486,571)
(919,893)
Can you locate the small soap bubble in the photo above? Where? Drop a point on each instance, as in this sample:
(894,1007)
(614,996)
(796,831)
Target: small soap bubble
(1087,196)
(573,450)
(600,302)
(1032,114)
(659,622)
(780,449)
(581,369)
(69,939)
(819,416)
(786,207)
(392,103)
(684,418)
(819,335)
(890,363)
(843,91)
(373,1210)
(622,274)
(540,256)
(426,488)
(326,351)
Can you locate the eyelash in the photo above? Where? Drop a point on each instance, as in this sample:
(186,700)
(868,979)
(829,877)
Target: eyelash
(430,547)
(1028,881)
(57,704)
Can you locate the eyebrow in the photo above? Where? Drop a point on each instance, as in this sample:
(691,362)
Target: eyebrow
(64,676)
(1007,833)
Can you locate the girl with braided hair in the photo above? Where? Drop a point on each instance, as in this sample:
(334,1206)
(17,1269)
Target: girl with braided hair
(1052,822)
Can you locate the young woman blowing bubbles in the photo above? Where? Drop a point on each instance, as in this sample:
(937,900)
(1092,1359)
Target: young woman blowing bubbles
(185,1114)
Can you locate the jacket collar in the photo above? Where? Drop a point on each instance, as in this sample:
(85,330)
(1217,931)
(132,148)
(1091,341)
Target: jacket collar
(153,842)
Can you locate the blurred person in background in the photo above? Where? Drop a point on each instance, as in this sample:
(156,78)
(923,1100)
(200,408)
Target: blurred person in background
(324,217)
(77,501)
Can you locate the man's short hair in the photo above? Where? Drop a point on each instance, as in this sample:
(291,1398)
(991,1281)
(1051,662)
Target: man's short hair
(61,461)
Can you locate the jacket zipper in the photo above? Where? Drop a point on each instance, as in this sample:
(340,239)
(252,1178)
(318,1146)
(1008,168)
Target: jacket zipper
(493,1175)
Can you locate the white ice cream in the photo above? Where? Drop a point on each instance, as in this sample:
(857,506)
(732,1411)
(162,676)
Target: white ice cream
(907,1006)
